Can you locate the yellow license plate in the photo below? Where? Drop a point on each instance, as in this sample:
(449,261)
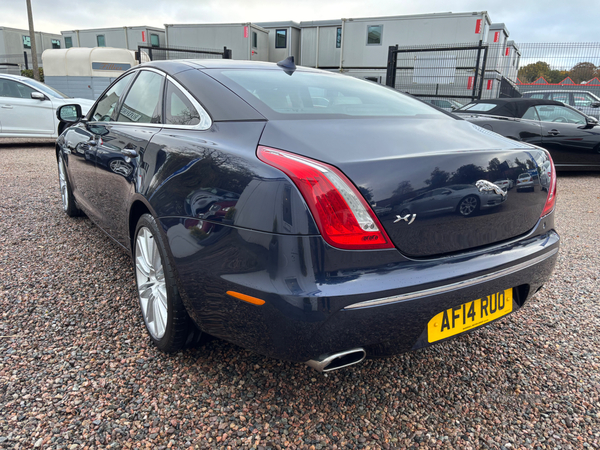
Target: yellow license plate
(469,315)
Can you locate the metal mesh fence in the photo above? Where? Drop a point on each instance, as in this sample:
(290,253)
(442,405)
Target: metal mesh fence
(147,53)
(460,72)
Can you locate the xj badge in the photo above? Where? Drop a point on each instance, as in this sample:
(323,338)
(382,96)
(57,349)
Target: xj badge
(410,218)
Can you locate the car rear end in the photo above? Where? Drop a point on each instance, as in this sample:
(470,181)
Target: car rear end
(338,272)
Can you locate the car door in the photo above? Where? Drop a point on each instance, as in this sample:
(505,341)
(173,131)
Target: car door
(22,115)
(567,136)
(121,144)
(81,146)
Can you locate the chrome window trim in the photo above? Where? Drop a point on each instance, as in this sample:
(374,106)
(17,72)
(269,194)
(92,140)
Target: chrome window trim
(185,92)
(454,286)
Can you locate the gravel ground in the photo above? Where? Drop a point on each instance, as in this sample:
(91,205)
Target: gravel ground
(77,369)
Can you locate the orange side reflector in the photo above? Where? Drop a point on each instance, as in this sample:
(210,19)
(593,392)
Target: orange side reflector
(246,298)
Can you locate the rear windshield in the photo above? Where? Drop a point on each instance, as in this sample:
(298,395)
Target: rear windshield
(309,93)
(478,107)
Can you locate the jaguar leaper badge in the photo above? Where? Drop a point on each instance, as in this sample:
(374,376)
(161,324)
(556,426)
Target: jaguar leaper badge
(486,186)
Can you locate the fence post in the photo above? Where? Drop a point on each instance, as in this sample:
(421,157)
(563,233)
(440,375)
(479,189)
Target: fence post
(392,62)
(226,53)
(26,63)
(150,53)
(485,55)
(475,79)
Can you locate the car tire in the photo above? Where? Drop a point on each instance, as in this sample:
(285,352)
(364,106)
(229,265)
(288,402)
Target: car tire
(468,206)
(68,201)
(166,319)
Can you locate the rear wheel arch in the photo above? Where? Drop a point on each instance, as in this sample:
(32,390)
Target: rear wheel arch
(136,211)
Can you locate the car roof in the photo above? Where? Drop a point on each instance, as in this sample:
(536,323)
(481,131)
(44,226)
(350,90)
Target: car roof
(511,107)
(174,66)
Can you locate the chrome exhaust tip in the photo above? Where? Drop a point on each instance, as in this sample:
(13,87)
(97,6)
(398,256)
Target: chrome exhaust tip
(335,361)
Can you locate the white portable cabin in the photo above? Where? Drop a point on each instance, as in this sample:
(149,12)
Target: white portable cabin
(247,41)
(85,72)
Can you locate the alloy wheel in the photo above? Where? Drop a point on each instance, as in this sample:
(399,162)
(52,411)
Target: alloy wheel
(152,287)
(62,179)
(468,206)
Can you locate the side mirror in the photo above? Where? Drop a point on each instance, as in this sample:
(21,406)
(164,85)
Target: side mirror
(591,121)
(69,113)
(595,105)
(38,96)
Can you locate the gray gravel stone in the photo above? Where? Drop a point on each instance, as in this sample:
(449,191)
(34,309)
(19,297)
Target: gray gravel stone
(77,368)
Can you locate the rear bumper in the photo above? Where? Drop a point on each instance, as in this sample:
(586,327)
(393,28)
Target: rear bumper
(321,300)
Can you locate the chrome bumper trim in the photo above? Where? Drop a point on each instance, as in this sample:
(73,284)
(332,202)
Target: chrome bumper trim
(453,286)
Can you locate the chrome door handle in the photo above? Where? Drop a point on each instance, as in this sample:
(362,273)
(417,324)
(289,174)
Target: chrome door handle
(7,106)
(553,133)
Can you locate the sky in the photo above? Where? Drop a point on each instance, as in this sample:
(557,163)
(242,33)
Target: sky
(527,20)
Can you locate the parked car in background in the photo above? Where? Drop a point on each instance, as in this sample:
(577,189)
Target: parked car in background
(257,215)
(28,107)
(464,199)
(447,104)
(584,101)
(571,137)
(505,184)
(525,181)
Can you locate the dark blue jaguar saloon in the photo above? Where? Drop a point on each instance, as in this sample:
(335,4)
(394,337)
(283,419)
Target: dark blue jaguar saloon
(306,215)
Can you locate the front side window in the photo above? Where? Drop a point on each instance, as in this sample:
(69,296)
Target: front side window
(26,42)
(374,33)
(582,99)
(559,114)
(154,41)
(13,89)
(338,37)
(68,42)
(280,38)
(254,39)
(178,109)
(142,104)
(109,101)
(100,40)
(55,43)
(531,114)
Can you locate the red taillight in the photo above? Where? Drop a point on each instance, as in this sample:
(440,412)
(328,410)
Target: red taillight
(551,199)
(344,218)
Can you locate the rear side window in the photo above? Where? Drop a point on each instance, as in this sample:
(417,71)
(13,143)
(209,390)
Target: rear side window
(178,109)
(561,97)
(142,104)
(109,101)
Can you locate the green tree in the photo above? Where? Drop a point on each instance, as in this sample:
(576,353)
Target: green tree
(29,73)
(583,71)
(531,72)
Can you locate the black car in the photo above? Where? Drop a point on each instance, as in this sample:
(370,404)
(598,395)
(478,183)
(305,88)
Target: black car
(571,137)
(262,204)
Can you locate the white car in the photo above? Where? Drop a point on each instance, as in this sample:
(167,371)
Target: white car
(505,184)
(28,107)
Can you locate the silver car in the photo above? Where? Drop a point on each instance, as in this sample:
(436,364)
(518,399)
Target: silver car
(525,181)
(584,101)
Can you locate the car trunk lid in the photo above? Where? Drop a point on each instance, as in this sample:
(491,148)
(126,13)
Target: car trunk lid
(420,176)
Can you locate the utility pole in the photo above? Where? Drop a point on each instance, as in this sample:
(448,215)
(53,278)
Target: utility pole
(34,61)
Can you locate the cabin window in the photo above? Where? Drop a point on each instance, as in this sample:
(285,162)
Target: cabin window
(100,40)
(338,38)
(280,38)
(374,33)
(254,39)
(55,43)
(68,42)
(154,41)
(26,42)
